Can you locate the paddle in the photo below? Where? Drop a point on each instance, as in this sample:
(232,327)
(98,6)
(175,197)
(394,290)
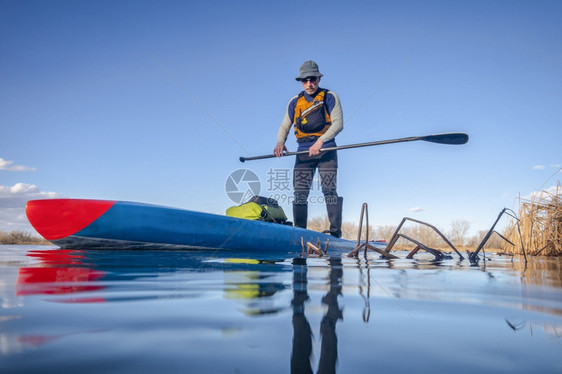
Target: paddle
(453,138)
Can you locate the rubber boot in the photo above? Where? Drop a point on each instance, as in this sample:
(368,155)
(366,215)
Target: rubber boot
(300,215)
(335,216)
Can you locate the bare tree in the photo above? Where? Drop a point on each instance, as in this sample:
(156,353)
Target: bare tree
(349,230)
(459,229)
(385,232)
(318,224)
(428,236)
(473,241)
(494,242)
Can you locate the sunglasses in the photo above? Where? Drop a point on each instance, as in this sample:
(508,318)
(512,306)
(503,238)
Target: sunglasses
(309,79)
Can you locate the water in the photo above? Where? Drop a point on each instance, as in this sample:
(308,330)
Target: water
(207,312)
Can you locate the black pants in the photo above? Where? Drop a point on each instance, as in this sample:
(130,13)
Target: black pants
(303,174)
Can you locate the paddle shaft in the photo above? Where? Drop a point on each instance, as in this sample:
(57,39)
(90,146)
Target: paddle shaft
(450,138)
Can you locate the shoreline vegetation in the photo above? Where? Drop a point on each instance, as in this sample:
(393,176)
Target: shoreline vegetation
(424,234)
(536,231)
(22,238)
(538,228)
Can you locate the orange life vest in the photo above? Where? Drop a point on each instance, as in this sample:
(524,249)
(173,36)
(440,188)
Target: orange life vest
(311,119)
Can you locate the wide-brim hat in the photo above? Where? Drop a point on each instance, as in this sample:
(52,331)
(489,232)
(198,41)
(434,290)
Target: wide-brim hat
(308,69)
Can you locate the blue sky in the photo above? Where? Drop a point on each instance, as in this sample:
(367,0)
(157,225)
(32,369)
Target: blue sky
(154,101)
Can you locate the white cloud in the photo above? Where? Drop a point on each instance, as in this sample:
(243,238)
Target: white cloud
(553,190)
(416,209)
(542,167)
(9,166)
(12,205)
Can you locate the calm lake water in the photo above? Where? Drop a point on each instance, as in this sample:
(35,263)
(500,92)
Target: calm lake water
(212,312)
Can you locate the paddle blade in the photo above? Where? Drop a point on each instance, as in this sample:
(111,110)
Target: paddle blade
(453,138)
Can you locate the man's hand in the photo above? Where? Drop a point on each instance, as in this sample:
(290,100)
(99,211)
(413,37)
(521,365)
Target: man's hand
(315,148)
(279,149)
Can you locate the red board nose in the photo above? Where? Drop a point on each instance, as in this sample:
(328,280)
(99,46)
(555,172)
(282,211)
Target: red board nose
(58,218)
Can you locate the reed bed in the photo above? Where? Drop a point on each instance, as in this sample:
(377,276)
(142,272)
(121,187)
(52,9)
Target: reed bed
(21,238)
(539,232)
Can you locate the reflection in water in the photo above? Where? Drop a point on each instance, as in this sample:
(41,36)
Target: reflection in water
(61,272)
(302,333)
(188,299)
(57,280)
(540,271)
(329,351)
(520,326)
(253,288)
(365,286)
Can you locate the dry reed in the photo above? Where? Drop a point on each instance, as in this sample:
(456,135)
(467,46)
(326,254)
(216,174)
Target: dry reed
(20,238)
(540,225)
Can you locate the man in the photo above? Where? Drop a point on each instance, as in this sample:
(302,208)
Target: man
(317,118)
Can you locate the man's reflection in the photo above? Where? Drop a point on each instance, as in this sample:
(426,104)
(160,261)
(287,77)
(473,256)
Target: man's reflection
(329,348)
(302,338)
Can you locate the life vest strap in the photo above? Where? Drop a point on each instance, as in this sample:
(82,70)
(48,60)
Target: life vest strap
(311,138)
